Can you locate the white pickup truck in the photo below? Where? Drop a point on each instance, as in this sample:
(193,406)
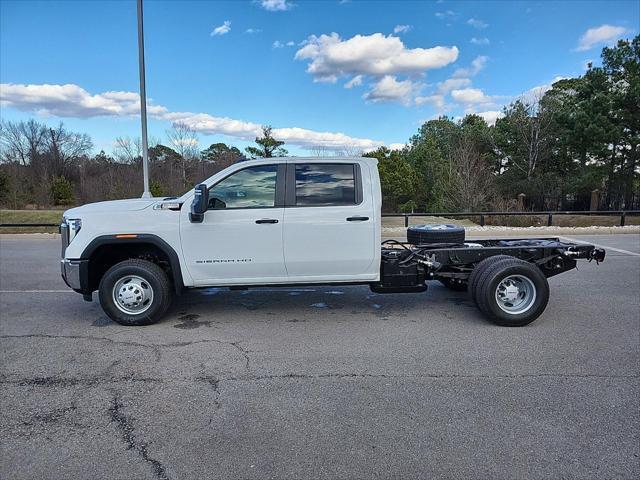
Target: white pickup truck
(292,221)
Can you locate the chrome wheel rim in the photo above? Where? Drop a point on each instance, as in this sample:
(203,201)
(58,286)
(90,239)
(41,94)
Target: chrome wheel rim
(515,294)
(132,295)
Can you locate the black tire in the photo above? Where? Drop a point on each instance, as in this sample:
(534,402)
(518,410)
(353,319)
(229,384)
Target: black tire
(453,284)
(435,233)
(477,272)
(152,277)
(492,277)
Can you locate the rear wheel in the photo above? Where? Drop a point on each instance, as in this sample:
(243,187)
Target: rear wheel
(478,271)
(512,292)
(135,292)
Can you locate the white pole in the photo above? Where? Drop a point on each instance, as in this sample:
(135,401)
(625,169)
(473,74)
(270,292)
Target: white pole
(143,105)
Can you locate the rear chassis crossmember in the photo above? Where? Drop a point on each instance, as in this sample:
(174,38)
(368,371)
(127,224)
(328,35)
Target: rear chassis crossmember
(406,267)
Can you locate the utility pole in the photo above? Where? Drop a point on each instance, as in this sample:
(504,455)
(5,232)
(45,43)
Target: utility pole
(143,105)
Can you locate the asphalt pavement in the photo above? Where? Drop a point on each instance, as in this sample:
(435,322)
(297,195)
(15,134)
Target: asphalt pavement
(305,383)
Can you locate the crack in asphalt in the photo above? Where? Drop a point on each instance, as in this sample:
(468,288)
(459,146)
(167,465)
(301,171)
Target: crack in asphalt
(128,435)
(119,342)
(215,382)
(54,381)
(244,352)
(55,416)
(155,347)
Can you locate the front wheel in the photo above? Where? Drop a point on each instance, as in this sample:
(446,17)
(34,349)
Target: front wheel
(135,292)
(512,292)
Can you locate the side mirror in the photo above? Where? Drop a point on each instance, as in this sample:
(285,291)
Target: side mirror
(200,203)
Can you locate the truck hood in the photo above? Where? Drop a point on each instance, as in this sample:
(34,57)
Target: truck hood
(111,206)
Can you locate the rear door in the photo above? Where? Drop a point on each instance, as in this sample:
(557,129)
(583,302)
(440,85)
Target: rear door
(240,238)
(329,223)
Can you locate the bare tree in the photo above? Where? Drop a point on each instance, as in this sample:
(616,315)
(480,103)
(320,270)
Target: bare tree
(470,183)
(320,151)
(533,123)
(63,147)
(21,141)
(349,151)
(128,150)
(184,140)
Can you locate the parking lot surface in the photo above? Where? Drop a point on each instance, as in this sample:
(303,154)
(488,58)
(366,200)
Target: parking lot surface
(332,382)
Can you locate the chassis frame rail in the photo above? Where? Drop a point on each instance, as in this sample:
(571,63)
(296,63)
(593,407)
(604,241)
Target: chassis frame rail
(551,254)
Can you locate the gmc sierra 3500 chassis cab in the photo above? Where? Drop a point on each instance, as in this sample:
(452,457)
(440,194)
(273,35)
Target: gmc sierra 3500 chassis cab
(293,221)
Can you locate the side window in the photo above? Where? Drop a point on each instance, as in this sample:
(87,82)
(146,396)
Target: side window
(253,187)
(319,184)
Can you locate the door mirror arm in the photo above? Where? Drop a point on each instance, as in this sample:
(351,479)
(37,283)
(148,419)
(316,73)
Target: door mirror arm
(200,203)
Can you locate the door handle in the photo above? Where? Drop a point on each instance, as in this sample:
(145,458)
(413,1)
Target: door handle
(357,219)
(267,220)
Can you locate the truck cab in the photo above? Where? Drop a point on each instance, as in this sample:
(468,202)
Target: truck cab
(286,220)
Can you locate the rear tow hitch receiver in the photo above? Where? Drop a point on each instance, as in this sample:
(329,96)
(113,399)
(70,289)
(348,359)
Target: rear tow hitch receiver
(598,255)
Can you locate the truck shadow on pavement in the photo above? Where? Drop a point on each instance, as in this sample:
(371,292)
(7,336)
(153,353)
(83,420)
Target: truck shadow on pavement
(213,306)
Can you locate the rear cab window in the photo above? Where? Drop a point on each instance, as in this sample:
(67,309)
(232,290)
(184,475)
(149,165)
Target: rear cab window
(324,184)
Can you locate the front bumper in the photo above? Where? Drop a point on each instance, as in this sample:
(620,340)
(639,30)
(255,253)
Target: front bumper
(70,270)
(74,274)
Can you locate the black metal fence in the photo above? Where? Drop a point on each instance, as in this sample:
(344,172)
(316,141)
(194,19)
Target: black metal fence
(483,215)
(479,215)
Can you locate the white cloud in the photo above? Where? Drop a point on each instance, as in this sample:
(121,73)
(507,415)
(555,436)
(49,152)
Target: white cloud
(604,34)
(470,96)
(453,84)
(331,57)
(69,101)
(222,29)
(480,41)
(477,23)
(389,89)
(459,89)
(253,30)
(401,28)
(354,82)
(333,141)
(276,5)
(279,44)
(490,116)
(72,101)
(436,100)
(397,146)
(477,64)
(445,14)
(535,93)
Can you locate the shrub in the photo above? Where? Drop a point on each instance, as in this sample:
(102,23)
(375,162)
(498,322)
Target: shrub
(62,191)
(156,189)
(4,187)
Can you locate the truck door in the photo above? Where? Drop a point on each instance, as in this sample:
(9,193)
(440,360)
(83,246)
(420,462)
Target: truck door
(330,222)
(240,238)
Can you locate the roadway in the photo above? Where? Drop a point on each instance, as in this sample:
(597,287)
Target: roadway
(319,382)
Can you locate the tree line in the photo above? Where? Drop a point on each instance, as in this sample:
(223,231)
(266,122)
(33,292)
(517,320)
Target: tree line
(556,147)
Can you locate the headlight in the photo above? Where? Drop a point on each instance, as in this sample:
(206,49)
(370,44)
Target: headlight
(74,224)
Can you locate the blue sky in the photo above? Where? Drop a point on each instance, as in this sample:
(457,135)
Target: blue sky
(335,74)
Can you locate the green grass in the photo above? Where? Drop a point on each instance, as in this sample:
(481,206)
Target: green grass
(30,216)
(54,216)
